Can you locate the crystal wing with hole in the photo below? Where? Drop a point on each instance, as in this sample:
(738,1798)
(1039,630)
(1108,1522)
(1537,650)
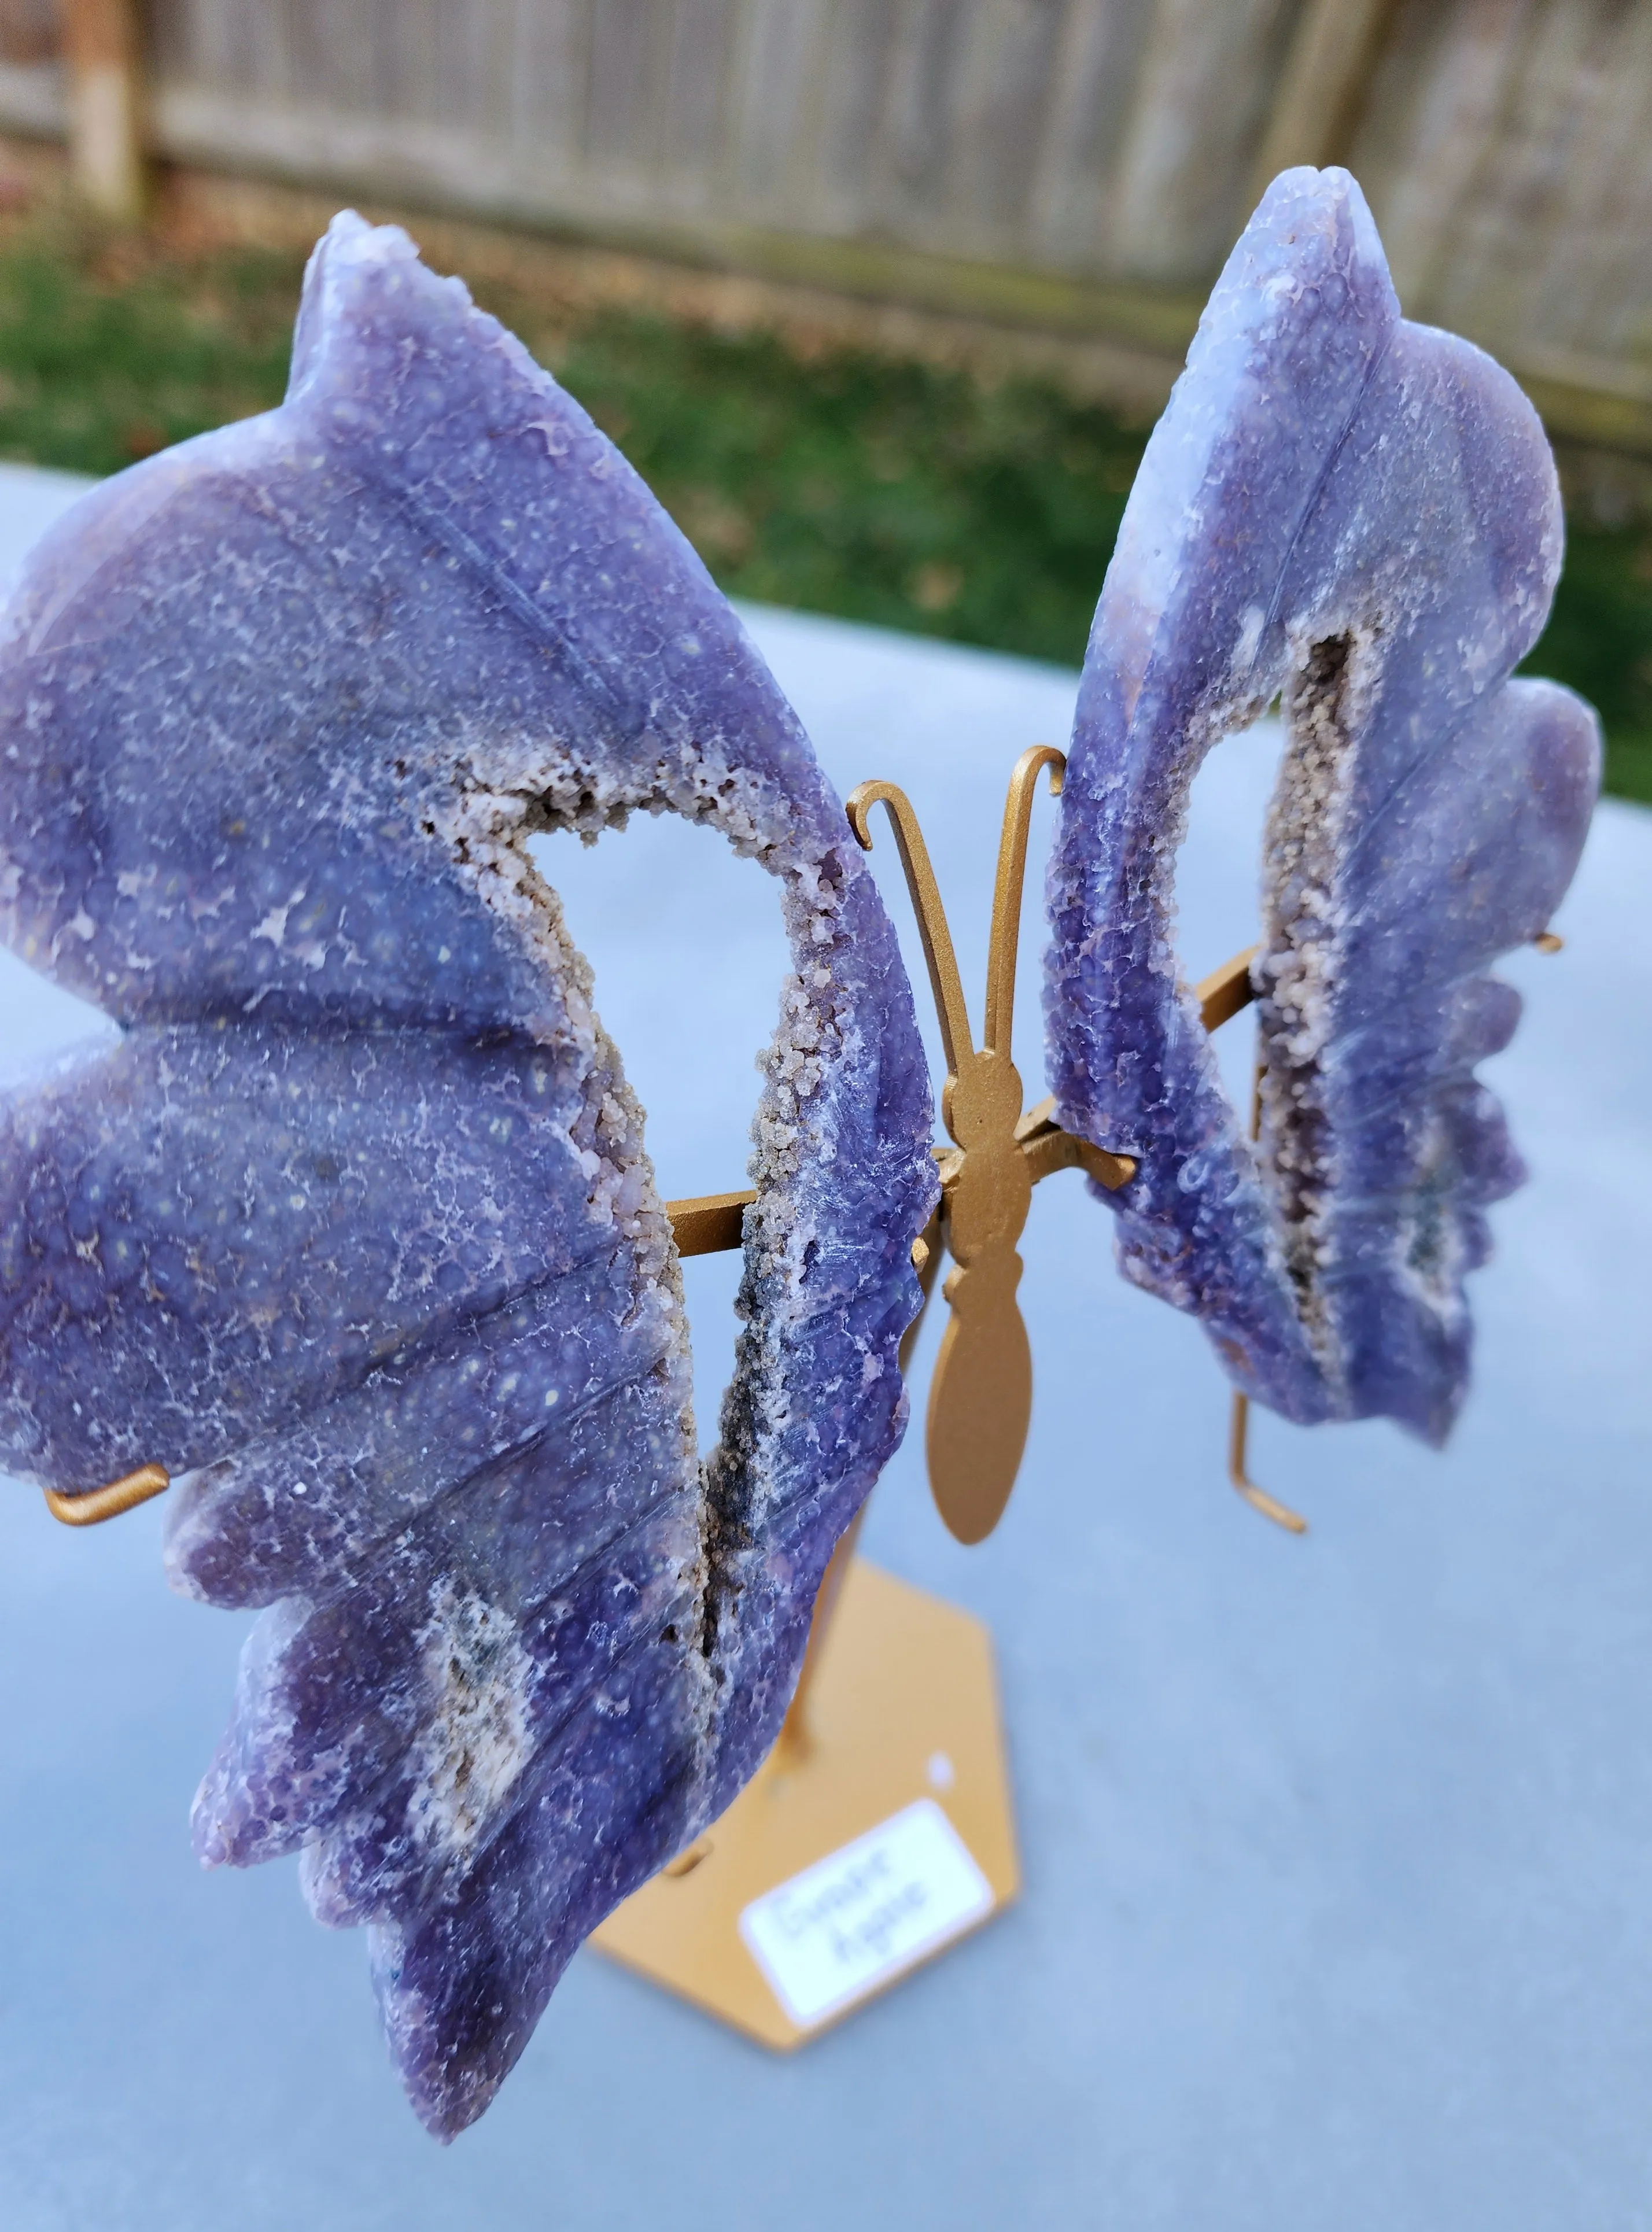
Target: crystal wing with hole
(355,1229)
(1360,516)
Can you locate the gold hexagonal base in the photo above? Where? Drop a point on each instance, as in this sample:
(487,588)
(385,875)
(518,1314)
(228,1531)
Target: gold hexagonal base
(904,1708)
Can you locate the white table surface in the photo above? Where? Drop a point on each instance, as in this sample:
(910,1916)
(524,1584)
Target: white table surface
(1338,1852)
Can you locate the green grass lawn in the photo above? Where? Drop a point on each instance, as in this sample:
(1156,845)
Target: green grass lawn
(845,483)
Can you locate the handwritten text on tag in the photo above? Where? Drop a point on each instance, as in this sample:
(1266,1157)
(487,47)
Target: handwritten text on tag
(859,1917)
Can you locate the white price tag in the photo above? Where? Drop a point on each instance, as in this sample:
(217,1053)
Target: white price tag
(865,1913)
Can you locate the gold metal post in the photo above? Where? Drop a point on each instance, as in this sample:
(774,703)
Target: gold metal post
(796,1739)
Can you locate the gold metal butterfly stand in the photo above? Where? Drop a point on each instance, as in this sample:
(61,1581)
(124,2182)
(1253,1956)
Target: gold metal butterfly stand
(897,1709)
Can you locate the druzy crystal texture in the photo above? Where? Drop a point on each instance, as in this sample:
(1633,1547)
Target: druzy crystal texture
(1359,516)
(353,1230)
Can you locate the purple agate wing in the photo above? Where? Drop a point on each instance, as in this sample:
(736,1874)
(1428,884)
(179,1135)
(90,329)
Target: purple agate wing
(354,1229)
(1360,517)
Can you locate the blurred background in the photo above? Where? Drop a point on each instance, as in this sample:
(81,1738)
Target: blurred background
(881,295)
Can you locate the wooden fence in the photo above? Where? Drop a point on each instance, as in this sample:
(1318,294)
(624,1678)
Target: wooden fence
(1076,165)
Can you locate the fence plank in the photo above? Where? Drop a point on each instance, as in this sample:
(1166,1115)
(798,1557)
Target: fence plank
(852,145)
(774,108)
(1207,79)
(543,133)
(1326,69)
(1006,94)
(693,121)
(1071,221)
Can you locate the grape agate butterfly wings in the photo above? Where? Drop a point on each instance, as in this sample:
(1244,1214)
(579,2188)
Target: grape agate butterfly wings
(354,1229)
(354,1232)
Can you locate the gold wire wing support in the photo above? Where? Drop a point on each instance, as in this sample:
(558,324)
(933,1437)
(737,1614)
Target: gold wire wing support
(1239,1416)
(1227,990)
(1220,996)
(1238,1429)
(711,1222)
(100,1504)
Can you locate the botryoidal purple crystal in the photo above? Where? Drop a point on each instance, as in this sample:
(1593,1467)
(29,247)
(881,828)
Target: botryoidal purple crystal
(1360,515)
(354,1229)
